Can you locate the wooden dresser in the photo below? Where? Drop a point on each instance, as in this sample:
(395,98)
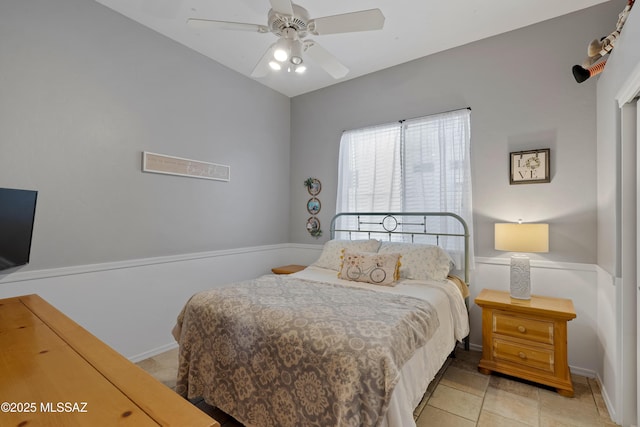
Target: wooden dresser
(55,373)
(526,338)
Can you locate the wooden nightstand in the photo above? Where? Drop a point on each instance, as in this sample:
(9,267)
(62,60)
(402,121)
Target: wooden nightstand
(288,269)
(526,338)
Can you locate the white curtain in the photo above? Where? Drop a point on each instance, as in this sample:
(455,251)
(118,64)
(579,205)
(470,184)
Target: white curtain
(418,165)
(369,177)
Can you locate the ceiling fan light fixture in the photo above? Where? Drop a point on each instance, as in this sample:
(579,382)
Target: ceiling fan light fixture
(280,55)
(282,50)
(291,23)
(296,52)
(275,65)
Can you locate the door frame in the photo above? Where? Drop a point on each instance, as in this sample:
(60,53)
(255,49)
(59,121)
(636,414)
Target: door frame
(629,295)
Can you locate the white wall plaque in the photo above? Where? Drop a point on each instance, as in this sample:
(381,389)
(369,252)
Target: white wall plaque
(171,165)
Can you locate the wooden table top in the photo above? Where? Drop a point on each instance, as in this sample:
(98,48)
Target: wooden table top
(55,373)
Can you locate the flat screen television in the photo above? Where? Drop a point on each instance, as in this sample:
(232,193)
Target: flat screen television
(17,214)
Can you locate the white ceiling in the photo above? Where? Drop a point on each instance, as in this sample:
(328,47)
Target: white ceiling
(412,29)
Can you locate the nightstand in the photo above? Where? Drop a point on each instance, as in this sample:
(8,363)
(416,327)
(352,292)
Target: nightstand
(526,338)
(288,269)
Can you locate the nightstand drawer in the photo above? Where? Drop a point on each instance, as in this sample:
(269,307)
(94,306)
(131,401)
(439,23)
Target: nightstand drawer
(519,327)
(537,358)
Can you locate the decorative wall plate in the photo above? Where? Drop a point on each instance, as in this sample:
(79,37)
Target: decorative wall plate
(313,186)
(313,226)
(313,206)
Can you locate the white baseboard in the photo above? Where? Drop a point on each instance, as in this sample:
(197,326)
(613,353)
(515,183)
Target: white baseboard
(583,372)
(607,401)
(156,351)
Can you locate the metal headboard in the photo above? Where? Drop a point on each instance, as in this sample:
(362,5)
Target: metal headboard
(410,225)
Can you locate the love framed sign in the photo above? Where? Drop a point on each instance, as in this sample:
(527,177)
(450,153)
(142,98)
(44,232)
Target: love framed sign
(530,167)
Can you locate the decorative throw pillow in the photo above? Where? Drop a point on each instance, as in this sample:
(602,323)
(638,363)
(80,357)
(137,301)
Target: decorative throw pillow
(420,261)
(379,269)
(332,251)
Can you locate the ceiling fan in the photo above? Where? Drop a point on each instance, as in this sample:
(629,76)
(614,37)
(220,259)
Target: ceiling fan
(291,23)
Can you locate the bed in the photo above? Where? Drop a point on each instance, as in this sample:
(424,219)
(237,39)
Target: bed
(352,340)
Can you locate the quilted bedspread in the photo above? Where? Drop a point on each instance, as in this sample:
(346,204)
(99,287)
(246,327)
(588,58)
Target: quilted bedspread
(281,351)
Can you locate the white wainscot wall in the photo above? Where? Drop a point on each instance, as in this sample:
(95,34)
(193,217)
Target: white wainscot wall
(132,305)
(607,350)
(577,282)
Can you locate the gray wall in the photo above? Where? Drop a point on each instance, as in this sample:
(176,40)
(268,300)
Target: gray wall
(619,68)
(83,91)
(523,96)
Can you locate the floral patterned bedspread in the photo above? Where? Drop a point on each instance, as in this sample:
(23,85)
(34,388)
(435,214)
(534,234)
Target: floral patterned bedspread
(281,351)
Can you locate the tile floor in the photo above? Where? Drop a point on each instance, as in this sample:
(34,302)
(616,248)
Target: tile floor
(461,396)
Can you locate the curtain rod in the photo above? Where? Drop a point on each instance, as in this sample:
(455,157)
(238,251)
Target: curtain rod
(403,120)
(441,112)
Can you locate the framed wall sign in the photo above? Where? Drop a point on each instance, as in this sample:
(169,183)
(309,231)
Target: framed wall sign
(529,167)
(172,165)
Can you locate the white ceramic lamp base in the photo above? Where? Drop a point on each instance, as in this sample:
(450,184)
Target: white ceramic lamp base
(520,277)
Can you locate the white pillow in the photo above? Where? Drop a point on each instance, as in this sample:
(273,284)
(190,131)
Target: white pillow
(420,261)
(332,251)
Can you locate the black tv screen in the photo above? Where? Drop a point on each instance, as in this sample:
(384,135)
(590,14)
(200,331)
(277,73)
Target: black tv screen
(17,213)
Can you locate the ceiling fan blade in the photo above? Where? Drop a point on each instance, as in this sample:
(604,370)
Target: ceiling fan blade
(364,20)
(262,67)
(207,24)
(326,60)
(283,7)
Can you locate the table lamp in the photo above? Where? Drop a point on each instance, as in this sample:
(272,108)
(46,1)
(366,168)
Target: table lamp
(518,237)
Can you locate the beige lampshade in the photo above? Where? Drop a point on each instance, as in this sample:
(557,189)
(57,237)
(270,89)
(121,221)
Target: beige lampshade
(513,237)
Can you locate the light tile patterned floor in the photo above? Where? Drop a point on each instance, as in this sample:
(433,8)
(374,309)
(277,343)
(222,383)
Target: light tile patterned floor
(461,396)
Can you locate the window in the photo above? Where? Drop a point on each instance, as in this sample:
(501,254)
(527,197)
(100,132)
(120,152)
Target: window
(417,165)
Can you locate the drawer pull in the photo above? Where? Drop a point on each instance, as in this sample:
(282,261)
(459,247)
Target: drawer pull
(522,355)
(522,329)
